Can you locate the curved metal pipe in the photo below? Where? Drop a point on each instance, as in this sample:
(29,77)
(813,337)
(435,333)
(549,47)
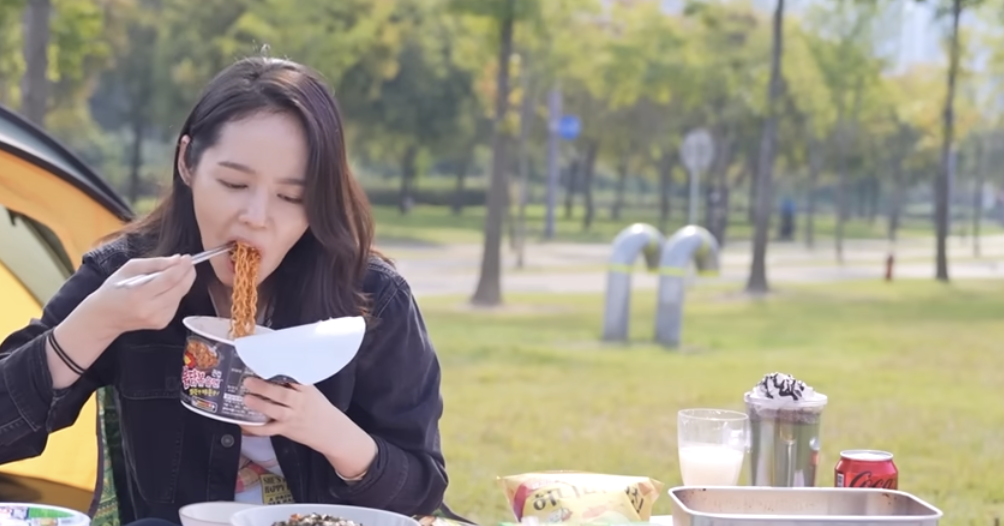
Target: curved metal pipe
(690,243)
(639,238)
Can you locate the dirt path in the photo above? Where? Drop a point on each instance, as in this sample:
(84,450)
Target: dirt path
(453,269)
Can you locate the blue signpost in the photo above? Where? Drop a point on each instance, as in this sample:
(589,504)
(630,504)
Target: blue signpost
(569,127)
(566,127)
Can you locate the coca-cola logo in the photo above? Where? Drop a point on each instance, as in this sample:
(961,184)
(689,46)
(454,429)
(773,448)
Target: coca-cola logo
(865,479)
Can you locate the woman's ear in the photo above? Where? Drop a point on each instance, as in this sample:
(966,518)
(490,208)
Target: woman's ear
(183,170)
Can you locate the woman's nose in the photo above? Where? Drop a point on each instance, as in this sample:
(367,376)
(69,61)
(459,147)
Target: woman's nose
(255,213)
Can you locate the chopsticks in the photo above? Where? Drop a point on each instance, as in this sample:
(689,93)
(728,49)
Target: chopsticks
(136,281)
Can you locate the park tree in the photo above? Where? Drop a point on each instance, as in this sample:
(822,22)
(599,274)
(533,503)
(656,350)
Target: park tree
(809,102)
(951,10)
(417,110)
(49,50)
(504,13)
(757,282)
(844,35)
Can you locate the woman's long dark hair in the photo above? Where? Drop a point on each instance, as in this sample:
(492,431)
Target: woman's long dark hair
(320,276)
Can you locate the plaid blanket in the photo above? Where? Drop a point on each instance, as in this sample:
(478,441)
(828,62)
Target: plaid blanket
(105,507)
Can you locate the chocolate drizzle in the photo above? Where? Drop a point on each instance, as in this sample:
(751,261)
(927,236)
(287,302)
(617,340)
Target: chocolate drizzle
(780,385)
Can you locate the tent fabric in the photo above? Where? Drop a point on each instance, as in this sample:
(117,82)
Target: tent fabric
(53,208)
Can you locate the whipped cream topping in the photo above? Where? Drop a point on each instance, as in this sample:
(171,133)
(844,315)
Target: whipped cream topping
(783,388)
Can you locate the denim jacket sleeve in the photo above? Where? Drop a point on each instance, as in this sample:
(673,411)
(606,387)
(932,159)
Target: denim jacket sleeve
(29,407)
(397,401)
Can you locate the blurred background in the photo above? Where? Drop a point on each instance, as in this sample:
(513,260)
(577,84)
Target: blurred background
(845,155)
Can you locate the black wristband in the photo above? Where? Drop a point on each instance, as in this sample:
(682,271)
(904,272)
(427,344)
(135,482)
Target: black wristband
(72,365)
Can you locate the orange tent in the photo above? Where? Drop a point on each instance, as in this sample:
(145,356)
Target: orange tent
(52,209)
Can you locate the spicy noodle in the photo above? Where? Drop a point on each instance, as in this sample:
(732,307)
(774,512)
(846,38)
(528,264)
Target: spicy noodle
(244,299)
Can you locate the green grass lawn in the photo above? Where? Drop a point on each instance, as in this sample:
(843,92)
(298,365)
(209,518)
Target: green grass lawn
(912,367)
(437,225)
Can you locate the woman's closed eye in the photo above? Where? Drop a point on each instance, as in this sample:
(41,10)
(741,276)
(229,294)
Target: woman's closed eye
(233,186)
(296,200)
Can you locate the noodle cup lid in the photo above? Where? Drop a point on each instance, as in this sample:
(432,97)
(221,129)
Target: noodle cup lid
(305,354)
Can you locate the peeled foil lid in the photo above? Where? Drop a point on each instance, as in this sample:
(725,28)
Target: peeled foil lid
(305,354)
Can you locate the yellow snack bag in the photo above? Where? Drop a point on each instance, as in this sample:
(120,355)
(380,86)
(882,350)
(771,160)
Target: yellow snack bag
(580,497)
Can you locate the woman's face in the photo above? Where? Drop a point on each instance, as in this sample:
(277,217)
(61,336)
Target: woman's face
(249,187)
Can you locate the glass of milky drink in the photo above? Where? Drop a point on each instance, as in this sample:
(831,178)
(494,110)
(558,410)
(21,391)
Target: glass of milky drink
(784,415)
(712,444)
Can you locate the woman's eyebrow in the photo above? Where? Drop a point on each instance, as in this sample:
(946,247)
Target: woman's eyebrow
(238,166)
(233,165)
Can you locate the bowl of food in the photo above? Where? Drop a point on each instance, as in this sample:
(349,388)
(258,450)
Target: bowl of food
(211,513)
(25,514)
(319,515)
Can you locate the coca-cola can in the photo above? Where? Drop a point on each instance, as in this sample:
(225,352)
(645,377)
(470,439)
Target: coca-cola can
(866,468)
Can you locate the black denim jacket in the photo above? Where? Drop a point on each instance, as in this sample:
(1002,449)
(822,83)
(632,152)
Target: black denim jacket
(175,457)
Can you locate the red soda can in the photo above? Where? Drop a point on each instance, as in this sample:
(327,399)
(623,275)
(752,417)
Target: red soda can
(866,468)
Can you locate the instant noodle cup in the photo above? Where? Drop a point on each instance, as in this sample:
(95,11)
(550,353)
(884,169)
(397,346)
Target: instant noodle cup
(25,514)
(212,375)
(215,366)
(581,497)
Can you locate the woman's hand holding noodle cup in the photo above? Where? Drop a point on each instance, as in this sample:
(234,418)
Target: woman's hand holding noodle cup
(297,412)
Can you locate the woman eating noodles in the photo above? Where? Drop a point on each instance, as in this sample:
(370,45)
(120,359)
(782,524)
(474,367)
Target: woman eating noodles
(261,161)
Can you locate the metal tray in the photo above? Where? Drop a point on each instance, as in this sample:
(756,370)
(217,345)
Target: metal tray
(759,506)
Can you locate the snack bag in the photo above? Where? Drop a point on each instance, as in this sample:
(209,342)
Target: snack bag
(581,497)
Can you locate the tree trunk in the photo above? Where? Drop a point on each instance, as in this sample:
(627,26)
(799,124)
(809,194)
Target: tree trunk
(588,165)
(489,288)
(862,199)
(757,283)
(716,209)
(841,186)
(140,87)
(408,169)
(942,180)
(895,211)
(981,177)
(896,198)
(571,186)
(665,189)
(523,166)
(35,83)
(463,167)
(717,216)
(843,143)
(874,195)
(752,169)
(814,154)
(622,173)
(136,157)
